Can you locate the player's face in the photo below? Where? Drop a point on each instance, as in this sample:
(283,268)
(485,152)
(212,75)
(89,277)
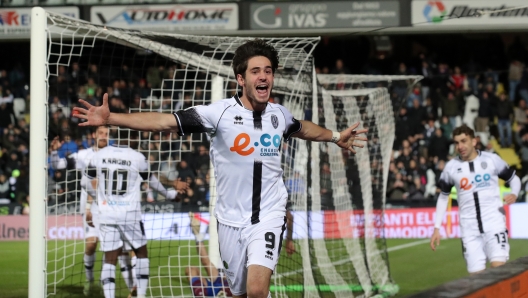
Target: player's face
(101,135)
(465,146)
(258,81)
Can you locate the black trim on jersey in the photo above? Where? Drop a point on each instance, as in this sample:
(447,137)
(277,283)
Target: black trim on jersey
(190,122)
(257,190)
(237,98)
(507,174)
(144,175)
(257,120)
(477,210)
(445,187)
(282,234)
(471,167)
(294,128)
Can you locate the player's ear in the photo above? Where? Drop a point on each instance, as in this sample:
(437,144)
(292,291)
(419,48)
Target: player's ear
(474,142)
(240,80)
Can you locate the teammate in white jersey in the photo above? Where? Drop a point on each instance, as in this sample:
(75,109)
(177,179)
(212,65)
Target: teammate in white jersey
(475,174)
(246,132)
(82,159)
(119,171)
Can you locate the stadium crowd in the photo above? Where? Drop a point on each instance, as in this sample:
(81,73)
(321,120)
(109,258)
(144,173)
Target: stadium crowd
(493,101)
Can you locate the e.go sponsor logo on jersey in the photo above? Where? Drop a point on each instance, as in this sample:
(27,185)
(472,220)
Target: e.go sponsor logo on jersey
(269,145)
(480,181)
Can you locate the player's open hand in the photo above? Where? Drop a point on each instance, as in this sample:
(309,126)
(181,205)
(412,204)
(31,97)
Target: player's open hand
(510,199)
(56,144)
(435,239)
(181,186)
(94,116)
(350,136)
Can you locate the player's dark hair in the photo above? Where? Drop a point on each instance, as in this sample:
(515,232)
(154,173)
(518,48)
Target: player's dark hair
(464,129)
(94,130)
(253,48)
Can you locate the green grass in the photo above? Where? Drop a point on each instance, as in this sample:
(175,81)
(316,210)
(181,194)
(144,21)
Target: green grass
(414,269)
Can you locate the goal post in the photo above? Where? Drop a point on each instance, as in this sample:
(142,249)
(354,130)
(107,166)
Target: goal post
(37,167)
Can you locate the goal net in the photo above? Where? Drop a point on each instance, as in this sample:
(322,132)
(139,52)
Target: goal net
(339,245)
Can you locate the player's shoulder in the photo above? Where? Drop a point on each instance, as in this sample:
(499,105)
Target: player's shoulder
(224,103)
(85,152)
(453,162)
(489,155)
(278,107)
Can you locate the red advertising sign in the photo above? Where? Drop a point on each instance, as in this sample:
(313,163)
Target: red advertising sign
(395,223)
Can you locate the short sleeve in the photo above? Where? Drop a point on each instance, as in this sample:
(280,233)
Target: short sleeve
(292,125)
(504,171)
(198,119)
(445,182)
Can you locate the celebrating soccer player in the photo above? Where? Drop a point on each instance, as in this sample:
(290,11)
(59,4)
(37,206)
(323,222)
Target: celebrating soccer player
(81,160)
(119,171)
(475,174)
(246,132)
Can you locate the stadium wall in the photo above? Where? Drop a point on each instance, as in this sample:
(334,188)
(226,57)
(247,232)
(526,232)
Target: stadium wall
(398,223)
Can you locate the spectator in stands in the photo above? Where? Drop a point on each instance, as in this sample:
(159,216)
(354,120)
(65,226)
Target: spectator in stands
(431,111)
(446,126)
(417,115)
(427,72)
(520,114)
(7,116)
(5,197)
(143,90)
(450,108)
(340,67)
(457,79)
(185,171)
(397,189)
(68,147)
(77,75)
(416,190)
(473,75)
(521,136)
(514,77)
(439,145)
(504,112)
(13,162)
(485,112)
(200,190)
(523,86)
(403,127)
(491,77)
(429,131)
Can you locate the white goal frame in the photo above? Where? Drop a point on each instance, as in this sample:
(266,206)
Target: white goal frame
(37,151)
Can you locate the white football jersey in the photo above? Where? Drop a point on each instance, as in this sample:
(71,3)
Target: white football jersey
(246,155)
(477,184)
(82,160)
(119,171)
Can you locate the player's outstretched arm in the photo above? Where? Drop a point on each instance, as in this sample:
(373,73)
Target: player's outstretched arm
(347,138)
(98,116)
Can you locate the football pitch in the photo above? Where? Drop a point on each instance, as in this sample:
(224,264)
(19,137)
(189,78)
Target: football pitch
(413,266)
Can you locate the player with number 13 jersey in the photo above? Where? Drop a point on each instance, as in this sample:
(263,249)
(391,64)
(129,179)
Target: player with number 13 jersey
(475,174)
